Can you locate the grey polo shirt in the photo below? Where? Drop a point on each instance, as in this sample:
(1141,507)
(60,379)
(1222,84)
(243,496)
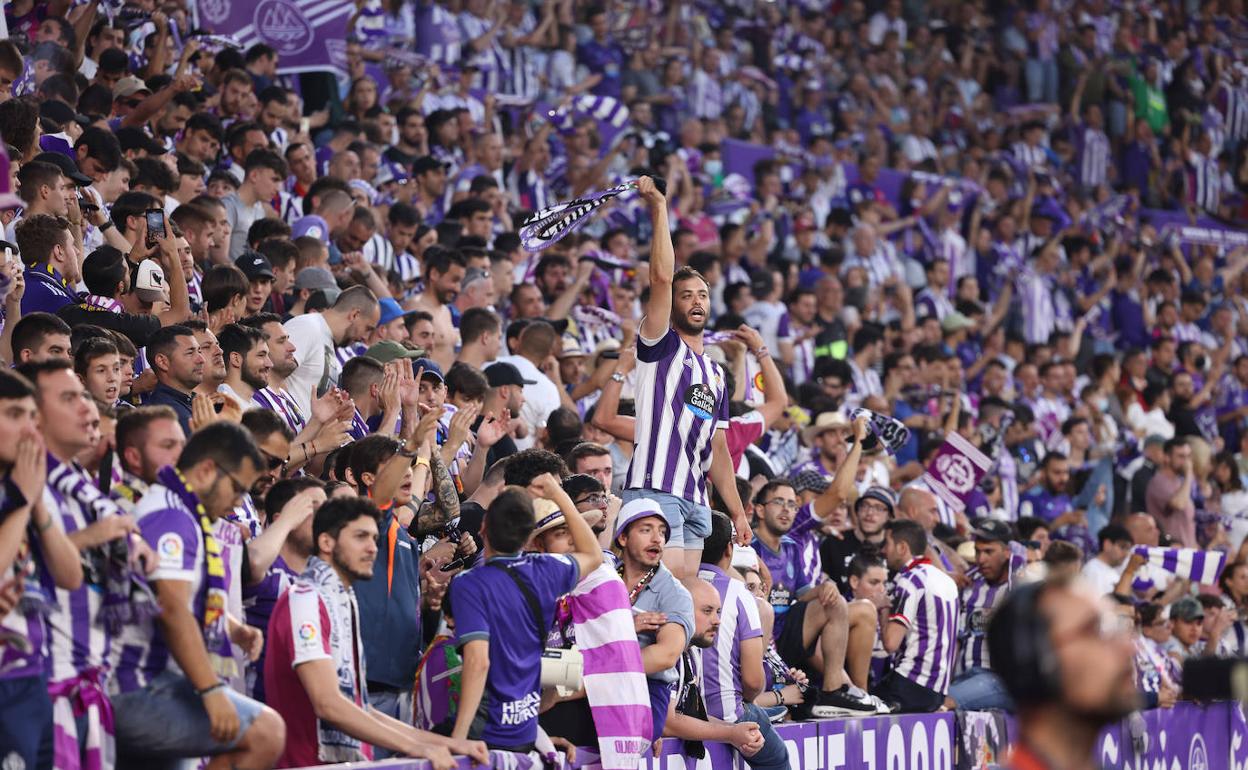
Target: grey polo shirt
(665,594)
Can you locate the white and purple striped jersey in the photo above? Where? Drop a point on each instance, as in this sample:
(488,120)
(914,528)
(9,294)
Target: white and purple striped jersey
(680,402)
(707,96)
(174,533)
(925,601)
(1035,292)
(1204,182)
(437,34)
(979,599)
(280,402)
(932,302)
(79,640)
(1028,156)
(1094,156)
(721,662)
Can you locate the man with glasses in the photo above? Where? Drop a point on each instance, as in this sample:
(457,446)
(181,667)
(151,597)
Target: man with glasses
(870,512)
(590,497)
(1068,638)
(811,620)
(172,701)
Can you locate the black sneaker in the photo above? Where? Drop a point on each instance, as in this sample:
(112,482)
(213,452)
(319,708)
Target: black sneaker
(841,703)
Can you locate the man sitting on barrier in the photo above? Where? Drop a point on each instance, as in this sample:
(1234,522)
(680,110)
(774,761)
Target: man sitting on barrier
(1065,659)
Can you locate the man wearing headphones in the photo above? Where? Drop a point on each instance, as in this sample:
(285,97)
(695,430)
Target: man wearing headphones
(1066,660)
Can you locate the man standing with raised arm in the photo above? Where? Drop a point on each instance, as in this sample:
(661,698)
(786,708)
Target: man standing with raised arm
(681,403)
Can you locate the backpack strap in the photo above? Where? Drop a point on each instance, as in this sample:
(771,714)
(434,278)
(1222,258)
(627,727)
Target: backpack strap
(535,607)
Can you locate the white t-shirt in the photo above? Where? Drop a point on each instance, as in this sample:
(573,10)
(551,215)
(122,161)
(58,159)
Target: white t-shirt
(314,351)
(1101,576)
(540,398)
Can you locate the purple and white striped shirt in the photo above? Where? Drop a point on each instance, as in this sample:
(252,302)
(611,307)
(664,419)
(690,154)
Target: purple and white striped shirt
(979,599)
(1094,156)
(925,601)
(721,662)
(681,401)
(279,401)
(1035,291)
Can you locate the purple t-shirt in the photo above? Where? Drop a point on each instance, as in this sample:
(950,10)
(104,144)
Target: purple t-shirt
(46,291)
(789,578)
(606,59)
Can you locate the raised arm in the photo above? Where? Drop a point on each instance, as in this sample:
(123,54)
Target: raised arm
(662,263)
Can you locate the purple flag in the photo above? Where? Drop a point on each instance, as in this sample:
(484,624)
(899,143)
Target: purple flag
(308,35)
(1189,563)
(955,470)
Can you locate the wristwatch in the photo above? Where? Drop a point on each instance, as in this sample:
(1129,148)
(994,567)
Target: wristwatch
(617,377)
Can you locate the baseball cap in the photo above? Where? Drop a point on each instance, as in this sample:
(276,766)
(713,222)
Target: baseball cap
(318,279)
(641,508)
(386,351)
(67,166)
(811,480)
(255,266)
(61,113)
(993,531)
(390,310)
(312,226)
(955,322)
(431,368)
(390,172)
(879,494)
(503,373)
(1186,608)
(149,282)
(425,164)
(129,86)
(133,138)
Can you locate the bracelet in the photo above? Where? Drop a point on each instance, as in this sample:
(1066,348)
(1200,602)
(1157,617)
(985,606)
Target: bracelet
(761,353)
(210,689)
(107,224)
(617,377)
(313,443)
(779,697)
(421,461)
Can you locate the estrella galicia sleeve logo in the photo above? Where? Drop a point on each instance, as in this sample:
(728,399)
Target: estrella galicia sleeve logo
(282,25)
(700,400)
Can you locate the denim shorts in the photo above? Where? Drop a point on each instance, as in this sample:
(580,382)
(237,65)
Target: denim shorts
(689,522)
(167,720)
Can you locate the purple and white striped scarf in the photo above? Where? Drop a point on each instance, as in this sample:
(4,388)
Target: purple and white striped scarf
(83,695)
(610,114)
(1193,564)
(548,226)
(890,432)
(615,681)
(107,304)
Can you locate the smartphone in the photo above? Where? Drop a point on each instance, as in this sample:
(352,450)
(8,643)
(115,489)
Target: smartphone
(87,205)
(611,354)
(155,225)
(454,564)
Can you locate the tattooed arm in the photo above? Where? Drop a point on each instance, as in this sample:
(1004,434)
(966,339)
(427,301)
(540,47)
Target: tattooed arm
(446,499)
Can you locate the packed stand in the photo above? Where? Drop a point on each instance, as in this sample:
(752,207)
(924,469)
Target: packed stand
(313,453)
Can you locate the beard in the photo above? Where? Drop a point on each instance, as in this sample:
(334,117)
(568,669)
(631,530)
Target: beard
(355,573)
(284,369)
(704,640)
(685,325)
(255,378)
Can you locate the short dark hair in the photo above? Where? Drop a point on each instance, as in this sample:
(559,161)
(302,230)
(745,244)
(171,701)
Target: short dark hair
(31,329)
(528,464)
(90,350)
(132,204)
(509,520)
(580,483)
(909,532)
(718,540)
(477,321)
(234,338)
(369,454)
(225,443)
(864,561)
(132,425)
(1114,533)
(467,381)
(686,273)
(38,235)
(283,491)
(1175,443)
(35,174)
(261,424)
(14,386)
(103,269)
(335,514)
(221,285)
(359,372)
(265,158)
(764,492)
(267,228)
(584,449)
(164,340)
(154,173)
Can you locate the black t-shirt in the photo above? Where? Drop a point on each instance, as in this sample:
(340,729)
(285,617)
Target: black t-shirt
(836,555)
(139,328)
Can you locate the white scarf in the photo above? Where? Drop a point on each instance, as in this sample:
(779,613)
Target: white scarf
(346,645)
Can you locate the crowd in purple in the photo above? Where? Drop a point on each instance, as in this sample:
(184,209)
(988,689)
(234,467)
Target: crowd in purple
(904,305)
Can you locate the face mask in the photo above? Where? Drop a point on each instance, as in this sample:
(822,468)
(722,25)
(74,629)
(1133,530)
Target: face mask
(714,168)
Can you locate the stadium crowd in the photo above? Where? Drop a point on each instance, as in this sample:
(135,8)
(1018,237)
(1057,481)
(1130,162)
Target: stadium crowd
(312,453)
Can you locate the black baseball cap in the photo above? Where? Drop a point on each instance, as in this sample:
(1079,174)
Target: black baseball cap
(67,166)
(426,163)
(993,531)
(503,373)
(61,113)
(254,265)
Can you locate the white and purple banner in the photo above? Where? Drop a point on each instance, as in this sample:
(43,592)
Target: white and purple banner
(1187,563)
(308,35)
(956,470)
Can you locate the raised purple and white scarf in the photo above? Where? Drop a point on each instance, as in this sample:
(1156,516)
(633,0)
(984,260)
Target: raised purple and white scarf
(887,431)
(548,226)
(1193,564)
(107,304)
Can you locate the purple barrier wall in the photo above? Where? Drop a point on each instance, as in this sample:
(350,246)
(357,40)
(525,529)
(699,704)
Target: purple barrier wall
(1188,736)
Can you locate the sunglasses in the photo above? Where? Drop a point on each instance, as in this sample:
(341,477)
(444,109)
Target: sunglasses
(275,462)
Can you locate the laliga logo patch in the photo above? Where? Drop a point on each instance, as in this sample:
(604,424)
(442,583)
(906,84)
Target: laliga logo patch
(1197,755)
(282,25)
(307,632)
(957,473)
(758,380)
(215,11)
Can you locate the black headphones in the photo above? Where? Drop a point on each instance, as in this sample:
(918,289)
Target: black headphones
(1019,647)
